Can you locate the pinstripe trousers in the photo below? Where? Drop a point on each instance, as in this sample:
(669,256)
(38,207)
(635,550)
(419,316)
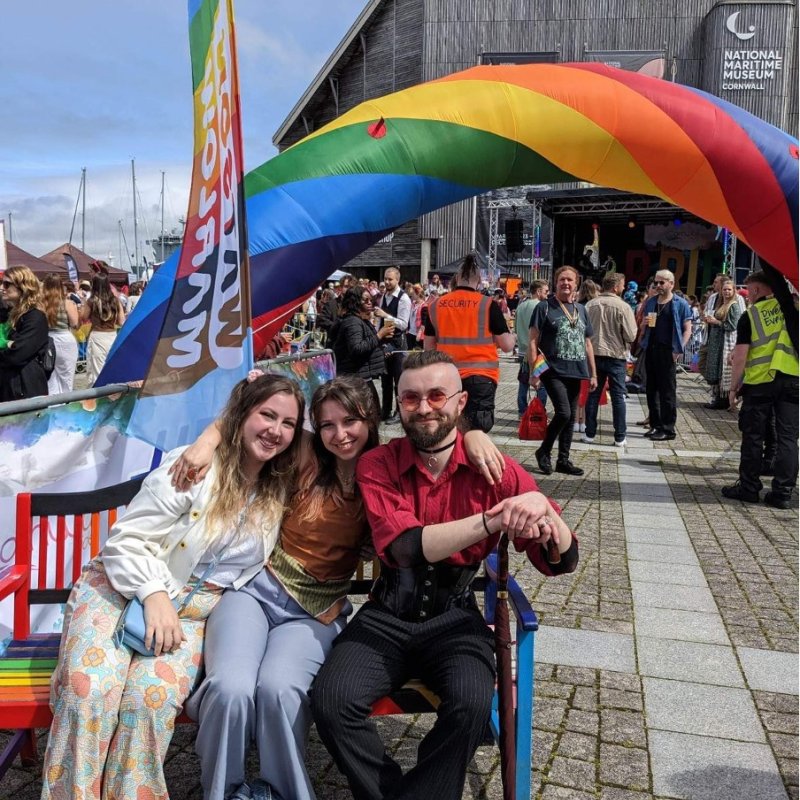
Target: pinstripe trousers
(376,654)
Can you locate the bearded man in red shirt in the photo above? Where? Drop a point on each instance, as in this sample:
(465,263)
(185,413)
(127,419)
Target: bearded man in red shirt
(434,518)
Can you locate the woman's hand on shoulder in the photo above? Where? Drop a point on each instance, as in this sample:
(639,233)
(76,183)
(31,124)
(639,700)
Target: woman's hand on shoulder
(162,627)
(194,462)
(484,456)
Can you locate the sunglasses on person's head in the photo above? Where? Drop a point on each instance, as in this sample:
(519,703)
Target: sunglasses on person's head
(436,399)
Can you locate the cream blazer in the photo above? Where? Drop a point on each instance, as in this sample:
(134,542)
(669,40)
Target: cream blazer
(161,537)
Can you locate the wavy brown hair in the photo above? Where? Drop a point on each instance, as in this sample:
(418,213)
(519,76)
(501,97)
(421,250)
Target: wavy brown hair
(318,479)
(52,297)
(276,479)
(29,288)
(103,304)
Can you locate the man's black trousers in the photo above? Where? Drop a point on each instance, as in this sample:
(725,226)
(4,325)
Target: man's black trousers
(661,386)
(760,401)
(376,654)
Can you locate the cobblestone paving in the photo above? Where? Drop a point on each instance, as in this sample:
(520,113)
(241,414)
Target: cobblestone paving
(591,738)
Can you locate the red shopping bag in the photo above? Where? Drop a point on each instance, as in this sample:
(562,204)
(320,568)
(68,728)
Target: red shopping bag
(533,424)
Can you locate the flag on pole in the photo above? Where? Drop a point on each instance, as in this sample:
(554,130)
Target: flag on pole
(540,366)
(205,343)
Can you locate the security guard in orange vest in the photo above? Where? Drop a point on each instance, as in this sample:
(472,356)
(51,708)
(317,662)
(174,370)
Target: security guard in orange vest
(765,371)
(469,327)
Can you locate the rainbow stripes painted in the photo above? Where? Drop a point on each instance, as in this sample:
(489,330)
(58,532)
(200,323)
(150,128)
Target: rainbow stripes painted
(317,205)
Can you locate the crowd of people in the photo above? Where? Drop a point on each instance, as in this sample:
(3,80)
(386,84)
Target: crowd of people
(44,324)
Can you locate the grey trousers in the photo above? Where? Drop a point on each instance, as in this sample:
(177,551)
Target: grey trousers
(262,652)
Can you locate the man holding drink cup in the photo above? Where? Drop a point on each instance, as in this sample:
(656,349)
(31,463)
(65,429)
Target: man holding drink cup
(668,320)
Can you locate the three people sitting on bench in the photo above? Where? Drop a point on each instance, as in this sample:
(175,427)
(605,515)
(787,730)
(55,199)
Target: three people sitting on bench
(260,661)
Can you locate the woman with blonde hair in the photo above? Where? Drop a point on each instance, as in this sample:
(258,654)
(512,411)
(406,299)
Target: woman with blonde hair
(62,319)
(114,709)
(21,372)
(106,314)
(721,325)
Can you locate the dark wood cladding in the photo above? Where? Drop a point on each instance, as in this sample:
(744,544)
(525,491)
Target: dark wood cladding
(409,41)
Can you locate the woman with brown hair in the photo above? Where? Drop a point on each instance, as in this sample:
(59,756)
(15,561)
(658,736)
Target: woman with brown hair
(114,709)
(21,372)
(62,319)
(106,314)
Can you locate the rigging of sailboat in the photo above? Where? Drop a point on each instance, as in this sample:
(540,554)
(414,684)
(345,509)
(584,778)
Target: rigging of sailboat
(167,242)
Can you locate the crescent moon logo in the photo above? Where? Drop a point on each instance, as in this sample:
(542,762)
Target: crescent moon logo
(730,24)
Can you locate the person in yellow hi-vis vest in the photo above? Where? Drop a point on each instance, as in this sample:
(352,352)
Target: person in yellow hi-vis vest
(765,372)
(469,327)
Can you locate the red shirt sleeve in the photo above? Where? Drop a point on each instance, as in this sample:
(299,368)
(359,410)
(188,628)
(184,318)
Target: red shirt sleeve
(390,511)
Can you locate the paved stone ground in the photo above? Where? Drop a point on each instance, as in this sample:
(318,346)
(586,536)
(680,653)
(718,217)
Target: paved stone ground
(667,663)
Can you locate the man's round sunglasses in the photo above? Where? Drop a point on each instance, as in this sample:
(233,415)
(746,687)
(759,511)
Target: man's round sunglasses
(660,283)
(436,399)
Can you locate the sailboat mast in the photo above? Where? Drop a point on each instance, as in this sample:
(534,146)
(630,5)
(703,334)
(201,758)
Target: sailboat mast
(135,227)
(83,210)
(162,216)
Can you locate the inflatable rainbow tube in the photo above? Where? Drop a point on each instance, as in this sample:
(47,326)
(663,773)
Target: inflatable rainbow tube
(321,202)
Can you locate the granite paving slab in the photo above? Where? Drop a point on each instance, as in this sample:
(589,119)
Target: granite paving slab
(668,536)
(680,574)
(685,626)
(770,671)
(590,649)
(685,598)
(701,709)
(662,553)
(708,768)
(695,661)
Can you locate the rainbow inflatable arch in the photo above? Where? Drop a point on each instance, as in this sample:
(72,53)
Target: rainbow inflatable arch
(318,204)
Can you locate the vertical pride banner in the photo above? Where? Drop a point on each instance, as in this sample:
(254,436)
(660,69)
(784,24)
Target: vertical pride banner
(204,346)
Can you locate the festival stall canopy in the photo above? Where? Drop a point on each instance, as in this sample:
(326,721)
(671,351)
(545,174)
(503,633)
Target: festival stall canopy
(118,277)
(321,202)
(17,257)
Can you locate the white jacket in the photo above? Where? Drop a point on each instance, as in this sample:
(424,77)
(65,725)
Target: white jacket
(161,538)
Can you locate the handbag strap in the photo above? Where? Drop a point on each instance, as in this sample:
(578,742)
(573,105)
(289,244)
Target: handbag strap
(214,561)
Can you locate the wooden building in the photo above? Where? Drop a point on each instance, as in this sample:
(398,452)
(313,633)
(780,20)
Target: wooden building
(744,51)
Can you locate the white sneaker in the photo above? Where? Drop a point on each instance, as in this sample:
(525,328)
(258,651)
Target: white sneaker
(576,427)
(621,444)
(587,439)
(582,427)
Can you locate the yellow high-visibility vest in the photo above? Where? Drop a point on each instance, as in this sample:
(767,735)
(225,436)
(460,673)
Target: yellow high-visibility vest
(771,348)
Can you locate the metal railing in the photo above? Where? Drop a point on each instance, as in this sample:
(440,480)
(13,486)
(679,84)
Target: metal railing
(48,400)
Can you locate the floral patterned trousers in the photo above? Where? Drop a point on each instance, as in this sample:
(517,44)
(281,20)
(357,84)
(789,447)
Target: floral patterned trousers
(113,710)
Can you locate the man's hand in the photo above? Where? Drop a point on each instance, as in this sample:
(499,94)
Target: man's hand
(162,626)
(527,516)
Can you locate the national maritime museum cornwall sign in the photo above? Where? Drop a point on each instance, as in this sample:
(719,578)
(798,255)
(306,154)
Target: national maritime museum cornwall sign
(748,57)
(747,68)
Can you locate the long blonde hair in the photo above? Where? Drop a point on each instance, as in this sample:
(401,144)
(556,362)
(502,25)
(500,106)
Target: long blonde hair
(52,297)
(722,311)
(276,479)
(29,288)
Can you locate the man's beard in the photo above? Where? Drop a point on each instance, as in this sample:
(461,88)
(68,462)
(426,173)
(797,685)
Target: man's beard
(424,439)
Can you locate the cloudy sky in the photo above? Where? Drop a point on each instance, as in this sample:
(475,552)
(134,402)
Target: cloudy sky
(93,83)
